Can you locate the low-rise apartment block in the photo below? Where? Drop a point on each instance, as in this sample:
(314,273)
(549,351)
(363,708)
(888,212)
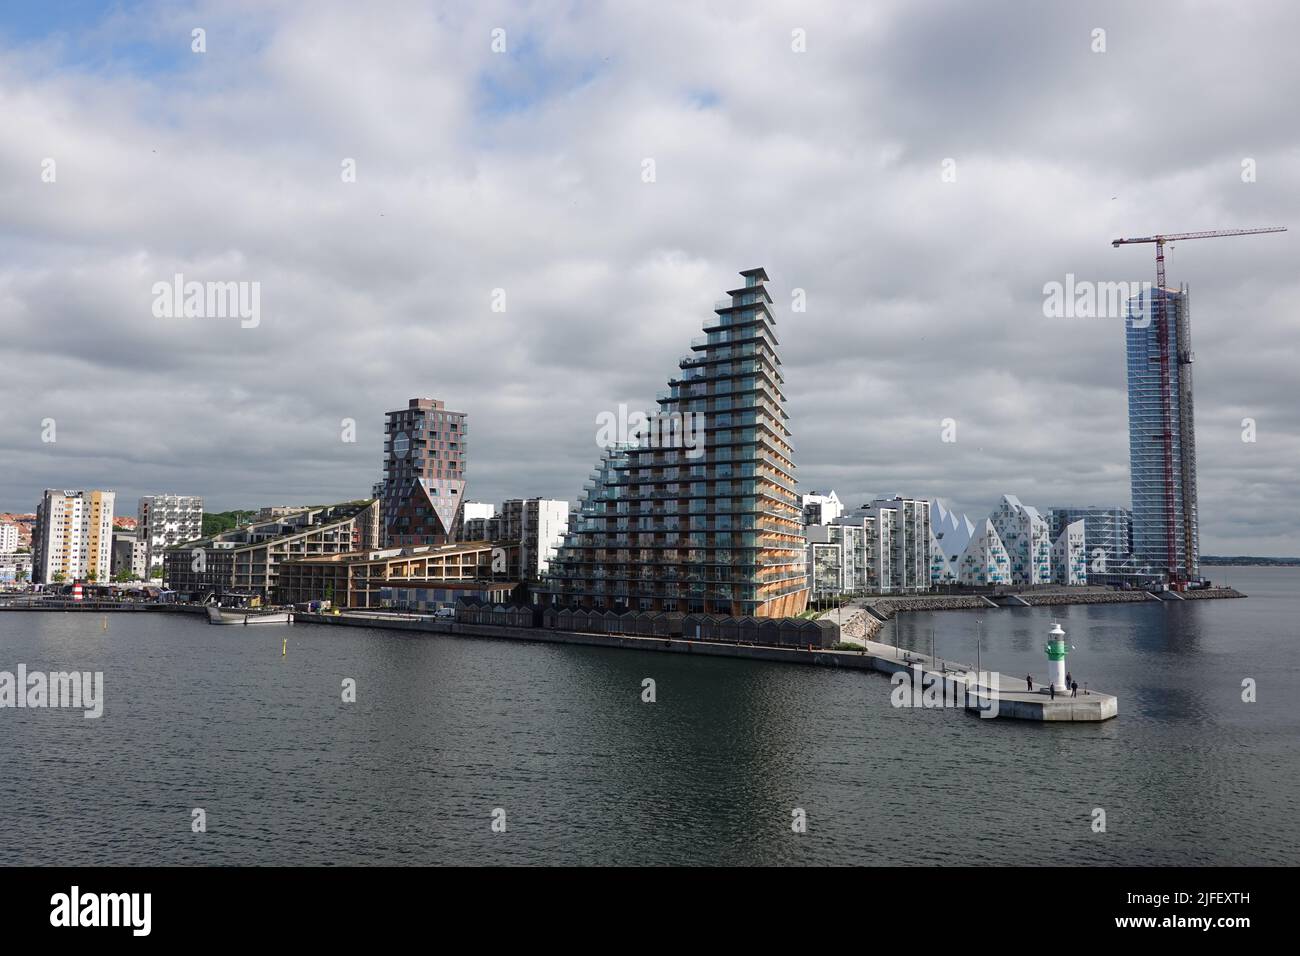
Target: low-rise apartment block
(424,577)
(246,560)
(15,568)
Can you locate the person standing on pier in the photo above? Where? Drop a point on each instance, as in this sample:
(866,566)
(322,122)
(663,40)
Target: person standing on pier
(1069,679)
(1074,689)
(1029,679)
(1052,690)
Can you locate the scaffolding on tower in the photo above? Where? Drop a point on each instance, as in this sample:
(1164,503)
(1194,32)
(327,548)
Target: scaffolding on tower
(1177,573)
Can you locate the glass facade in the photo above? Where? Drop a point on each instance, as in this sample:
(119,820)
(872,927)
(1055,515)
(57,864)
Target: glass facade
(1107,539)
(1161,425)
(713,528)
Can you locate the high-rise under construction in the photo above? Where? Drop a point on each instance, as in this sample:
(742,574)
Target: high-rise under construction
(1162,436)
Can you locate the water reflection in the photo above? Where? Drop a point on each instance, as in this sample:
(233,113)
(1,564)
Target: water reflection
(443,731)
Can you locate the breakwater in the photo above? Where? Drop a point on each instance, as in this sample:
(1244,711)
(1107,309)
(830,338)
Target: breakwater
(862,619)
(1207,593)
(1014,699)
(886,607)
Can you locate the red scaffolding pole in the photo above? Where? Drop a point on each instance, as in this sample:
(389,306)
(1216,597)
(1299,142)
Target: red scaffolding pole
(1177,573)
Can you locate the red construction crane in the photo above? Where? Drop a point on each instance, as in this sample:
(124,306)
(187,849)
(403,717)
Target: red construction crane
(1176,574)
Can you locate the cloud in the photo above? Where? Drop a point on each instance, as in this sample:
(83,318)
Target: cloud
(522,171)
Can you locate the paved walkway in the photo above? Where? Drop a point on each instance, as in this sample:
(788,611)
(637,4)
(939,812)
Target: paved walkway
(1007,687)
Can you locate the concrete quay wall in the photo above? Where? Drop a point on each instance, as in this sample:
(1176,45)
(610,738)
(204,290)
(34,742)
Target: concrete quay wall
(872,656)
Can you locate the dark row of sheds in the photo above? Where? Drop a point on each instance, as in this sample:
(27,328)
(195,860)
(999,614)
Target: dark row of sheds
(476,611)
(765,631)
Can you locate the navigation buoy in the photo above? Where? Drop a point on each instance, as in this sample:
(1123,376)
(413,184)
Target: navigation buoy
(284,650)
(1055,649)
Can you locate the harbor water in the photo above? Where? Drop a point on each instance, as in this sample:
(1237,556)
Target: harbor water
(448,735)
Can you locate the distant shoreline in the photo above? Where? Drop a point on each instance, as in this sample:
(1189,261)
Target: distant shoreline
(1250,562)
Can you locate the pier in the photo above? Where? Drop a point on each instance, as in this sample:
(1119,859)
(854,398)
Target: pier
(1014,699)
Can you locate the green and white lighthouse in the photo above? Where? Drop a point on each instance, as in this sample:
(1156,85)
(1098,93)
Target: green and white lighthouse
(1055,648)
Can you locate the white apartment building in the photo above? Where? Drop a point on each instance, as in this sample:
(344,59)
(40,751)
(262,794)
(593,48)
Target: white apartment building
(984,559)
(11,562)
(536,525)
(826,559)
(12,565)
(1069,556)
(821,509)
(901,528)
(73,536)
(1028,540)
(851,536)
(883,547)
(164,521)
(477,510)
(1011,547)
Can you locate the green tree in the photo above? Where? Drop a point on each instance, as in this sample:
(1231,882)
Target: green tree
(91,575)
(59,577)
(215,522)
(123,575)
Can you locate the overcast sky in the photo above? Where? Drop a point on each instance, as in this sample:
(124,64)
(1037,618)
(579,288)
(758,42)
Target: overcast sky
(524,171)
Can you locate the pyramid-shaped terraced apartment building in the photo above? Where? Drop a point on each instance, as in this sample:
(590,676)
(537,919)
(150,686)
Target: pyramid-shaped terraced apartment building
(701,516)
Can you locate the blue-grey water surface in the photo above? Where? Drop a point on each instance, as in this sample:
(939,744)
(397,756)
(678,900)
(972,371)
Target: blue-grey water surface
(445,730)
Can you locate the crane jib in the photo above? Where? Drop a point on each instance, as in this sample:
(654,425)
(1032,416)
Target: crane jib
(1178,571)
(1211,234)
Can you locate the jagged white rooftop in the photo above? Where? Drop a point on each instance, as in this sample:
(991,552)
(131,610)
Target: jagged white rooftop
(956,530)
